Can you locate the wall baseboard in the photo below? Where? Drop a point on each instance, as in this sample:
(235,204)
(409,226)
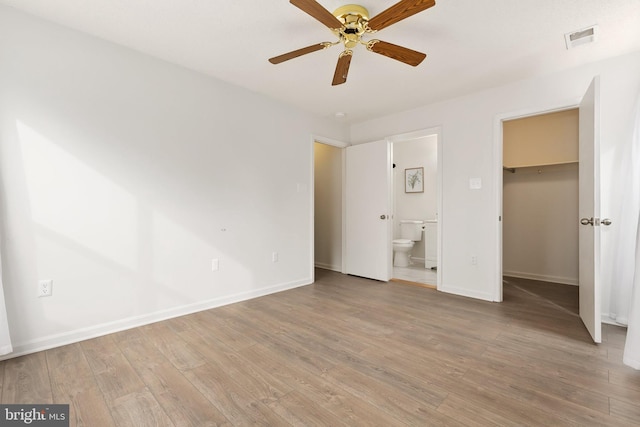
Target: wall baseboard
(71,337)
(542,277)
(466,293)
(605,318)
(324,266)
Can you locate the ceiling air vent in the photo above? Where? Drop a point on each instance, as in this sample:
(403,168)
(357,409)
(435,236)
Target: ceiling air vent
(583,36)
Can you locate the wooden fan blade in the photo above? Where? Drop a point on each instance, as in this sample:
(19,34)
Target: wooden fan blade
(342,69)
(295,53)
(399,53)
(318,12)
(399,11)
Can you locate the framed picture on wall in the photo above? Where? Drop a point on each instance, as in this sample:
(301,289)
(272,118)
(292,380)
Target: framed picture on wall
(414,180)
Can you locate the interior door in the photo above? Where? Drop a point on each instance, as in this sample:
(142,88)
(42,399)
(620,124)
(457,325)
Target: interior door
(589,210)
(368,210)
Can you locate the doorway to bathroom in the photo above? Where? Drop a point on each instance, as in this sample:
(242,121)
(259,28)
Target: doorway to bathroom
(416,204)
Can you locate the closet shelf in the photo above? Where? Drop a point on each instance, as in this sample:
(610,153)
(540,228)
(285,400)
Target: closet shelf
(513,169)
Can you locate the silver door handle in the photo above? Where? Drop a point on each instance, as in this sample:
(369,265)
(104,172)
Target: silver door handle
(586,221)
(596,221)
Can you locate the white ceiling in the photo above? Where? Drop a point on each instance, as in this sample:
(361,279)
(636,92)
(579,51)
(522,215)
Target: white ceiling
(470,45)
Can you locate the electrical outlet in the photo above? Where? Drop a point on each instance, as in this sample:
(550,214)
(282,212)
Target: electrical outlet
(45,288)
(474,260)
(274,257)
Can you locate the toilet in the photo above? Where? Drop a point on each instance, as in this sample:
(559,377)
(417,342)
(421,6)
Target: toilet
(410,232)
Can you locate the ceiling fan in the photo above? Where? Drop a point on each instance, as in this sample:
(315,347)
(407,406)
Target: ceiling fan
(350,23)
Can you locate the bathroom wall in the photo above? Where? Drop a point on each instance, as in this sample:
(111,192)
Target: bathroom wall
(328,206)
(415,153)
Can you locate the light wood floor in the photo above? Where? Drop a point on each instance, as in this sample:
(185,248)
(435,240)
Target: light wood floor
(344,351)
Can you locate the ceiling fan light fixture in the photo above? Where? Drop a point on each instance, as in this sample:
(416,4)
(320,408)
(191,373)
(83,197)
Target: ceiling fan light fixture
(354,20)
(352,15)
(350,23)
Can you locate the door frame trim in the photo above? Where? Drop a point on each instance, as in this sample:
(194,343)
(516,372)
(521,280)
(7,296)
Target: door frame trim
(497,167)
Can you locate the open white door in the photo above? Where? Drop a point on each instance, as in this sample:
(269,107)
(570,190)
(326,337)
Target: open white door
(589,210)
(368,210)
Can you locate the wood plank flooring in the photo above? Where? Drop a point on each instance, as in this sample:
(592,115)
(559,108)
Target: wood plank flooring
(345,351)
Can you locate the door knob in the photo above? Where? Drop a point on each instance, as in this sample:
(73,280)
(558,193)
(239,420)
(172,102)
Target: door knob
(605,221)
(586,221)
(383,217)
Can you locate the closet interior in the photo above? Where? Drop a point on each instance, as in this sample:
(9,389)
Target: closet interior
(540,197)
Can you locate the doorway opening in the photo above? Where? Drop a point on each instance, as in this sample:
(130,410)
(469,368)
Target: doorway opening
(540,206)
(328,246)
(416,202)
(365,194)
(588,204)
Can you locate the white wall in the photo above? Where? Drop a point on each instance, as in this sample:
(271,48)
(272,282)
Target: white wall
(540,231)
(328,206)
(470,217)
(421,152)
(122,176)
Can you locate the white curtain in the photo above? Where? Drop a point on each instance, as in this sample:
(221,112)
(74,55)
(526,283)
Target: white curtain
(632,345)
(626,223)
(5,339)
